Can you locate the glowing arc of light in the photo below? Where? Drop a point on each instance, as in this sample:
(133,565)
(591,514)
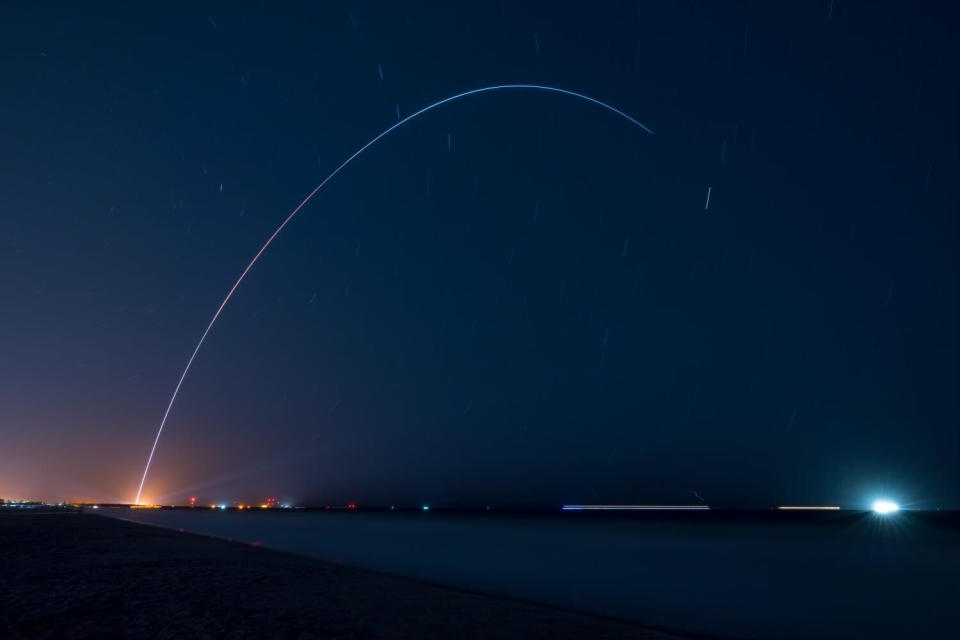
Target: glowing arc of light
(310,196)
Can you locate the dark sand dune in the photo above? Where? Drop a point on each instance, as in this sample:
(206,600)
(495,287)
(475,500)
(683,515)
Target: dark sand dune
(73,575)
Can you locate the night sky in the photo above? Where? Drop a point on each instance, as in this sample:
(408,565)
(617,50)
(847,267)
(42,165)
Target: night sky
(518,298)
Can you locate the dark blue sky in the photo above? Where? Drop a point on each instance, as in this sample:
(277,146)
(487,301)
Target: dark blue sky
(542,312)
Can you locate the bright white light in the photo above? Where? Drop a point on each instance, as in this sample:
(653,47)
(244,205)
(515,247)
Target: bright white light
(885,506)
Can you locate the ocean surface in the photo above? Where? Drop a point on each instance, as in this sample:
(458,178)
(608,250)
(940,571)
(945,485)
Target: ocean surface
(838,575)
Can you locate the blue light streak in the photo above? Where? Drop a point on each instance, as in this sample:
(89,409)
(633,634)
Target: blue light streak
(633,507)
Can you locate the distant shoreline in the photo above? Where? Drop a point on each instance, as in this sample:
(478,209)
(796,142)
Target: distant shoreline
(762,573)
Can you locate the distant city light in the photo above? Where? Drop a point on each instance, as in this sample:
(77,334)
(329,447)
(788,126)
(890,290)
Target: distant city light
(222,507)
(885,506)
(425,507)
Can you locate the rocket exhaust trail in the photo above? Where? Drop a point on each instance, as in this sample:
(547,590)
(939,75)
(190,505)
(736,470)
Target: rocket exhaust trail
(286,221)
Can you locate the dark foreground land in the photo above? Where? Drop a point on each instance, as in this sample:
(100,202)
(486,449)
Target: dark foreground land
(74,575)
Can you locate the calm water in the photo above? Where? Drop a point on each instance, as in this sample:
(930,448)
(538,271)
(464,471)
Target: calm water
(839,575)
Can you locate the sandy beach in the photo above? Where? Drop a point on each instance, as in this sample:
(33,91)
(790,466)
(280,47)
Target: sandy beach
(74,575)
